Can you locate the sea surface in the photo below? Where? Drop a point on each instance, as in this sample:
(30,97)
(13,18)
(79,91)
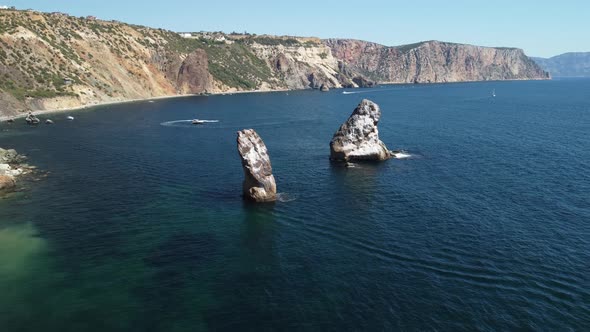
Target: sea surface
(134,220)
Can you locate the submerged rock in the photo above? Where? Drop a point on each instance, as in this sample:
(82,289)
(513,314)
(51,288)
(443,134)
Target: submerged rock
(259,183)
(358,138)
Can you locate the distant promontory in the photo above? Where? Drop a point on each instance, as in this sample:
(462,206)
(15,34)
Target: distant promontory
(572,64)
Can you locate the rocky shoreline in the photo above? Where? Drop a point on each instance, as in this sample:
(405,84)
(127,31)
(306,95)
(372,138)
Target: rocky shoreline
(5,118)
(99,68)
(12,167)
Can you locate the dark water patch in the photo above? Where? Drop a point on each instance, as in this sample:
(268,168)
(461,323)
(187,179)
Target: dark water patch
(184,250)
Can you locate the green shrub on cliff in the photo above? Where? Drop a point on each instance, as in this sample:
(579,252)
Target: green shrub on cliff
(236,66)
(274,41)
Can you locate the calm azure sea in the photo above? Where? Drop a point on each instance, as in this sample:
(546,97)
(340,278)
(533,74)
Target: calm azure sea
(134,220)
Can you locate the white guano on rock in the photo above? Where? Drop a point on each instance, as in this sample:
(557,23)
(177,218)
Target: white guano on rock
(259,183)
(358,138)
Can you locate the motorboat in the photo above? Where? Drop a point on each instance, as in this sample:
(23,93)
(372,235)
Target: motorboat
(70,118)
(197,122)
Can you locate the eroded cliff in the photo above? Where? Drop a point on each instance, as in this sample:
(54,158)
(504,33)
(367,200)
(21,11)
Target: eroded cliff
(434,61)
(56,61)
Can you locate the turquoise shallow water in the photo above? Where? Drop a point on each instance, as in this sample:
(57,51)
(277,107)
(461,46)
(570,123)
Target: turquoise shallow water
(139,224)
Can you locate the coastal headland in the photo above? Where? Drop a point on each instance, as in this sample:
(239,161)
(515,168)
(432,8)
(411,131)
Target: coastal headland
(54,61)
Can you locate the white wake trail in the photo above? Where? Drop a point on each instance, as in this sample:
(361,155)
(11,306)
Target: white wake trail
(367,91)
(177,122)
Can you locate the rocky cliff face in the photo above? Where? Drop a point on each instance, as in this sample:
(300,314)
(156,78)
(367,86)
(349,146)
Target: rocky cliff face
(57,61)
(49,61)
(193,74)
(434,61)
(301,65)
(358,138)
(259,183)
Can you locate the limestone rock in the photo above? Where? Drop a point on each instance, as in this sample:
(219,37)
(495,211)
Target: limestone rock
(10,156)
(7,182)
(282,63)
(324,88)
(11,167)
(193,75)
(6,169)
(363,82)
(32,119)
(259,183)
(358,138)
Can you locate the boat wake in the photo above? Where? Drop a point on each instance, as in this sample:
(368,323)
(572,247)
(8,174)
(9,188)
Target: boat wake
(401,155)
(184,123)
(369,91)
(284,197)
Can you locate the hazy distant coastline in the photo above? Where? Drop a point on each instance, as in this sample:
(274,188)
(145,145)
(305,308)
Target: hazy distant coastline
(573,64)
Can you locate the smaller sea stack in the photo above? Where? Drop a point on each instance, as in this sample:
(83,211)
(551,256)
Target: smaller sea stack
(259,183)
(358,138)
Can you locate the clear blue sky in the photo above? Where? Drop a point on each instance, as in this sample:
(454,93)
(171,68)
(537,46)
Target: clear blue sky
(541,28)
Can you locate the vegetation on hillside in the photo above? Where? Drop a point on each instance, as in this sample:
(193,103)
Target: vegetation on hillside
(39,51)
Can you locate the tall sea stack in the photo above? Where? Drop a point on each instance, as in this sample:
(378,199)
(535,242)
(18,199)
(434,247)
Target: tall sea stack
(358,138)
(259,183)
